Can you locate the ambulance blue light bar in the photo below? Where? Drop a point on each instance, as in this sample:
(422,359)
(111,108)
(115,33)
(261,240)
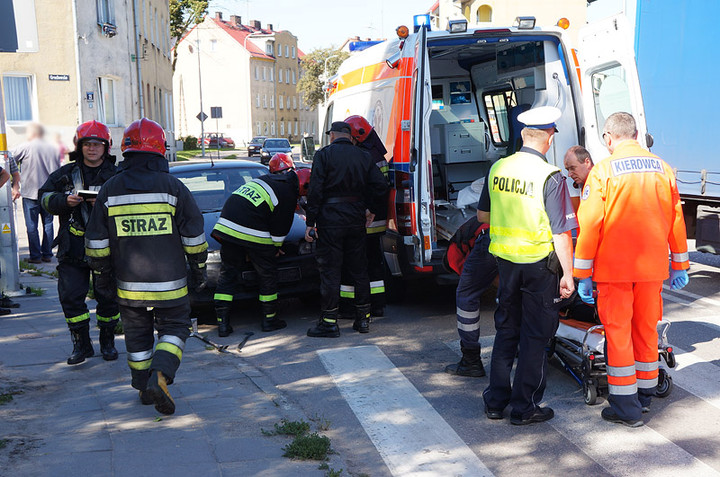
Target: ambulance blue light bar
(420,20)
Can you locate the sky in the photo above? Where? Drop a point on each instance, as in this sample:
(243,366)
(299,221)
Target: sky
(325,23)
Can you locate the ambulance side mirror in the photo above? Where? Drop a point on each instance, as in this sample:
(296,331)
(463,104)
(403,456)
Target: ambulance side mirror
(649,140)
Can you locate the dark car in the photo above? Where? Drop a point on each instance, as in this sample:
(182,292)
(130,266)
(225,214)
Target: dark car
(213,139)
(211,185)
(272,146)
(255,145)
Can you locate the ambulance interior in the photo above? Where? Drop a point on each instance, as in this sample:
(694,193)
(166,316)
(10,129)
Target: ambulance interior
(478,89)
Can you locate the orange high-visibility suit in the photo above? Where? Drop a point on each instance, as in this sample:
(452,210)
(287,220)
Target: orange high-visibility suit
(630,214)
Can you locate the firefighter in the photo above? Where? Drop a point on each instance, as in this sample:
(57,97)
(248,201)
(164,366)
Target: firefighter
(90,166)
(469,257)
(526,202)
(629,262)
(364,136)
(254,222)
(345,188)
(144,225)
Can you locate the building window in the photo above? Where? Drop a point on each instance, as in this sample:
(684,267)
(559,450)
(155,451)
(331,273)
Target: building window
(18,98)
(296,128)
(289,127)
(280,76)
(264,73)
(484,14)
(266,128)
(272,128)
(287,76)
(272,74)
(257,72)
(294,102)
(293,76)
(279,51)
(106,101)
(265,101)
(293,51)
(287,52)
(272,101)
(268,48)
(105,12)
(282,128)
(258,129)
(280,102)
(257,100)
(213,45)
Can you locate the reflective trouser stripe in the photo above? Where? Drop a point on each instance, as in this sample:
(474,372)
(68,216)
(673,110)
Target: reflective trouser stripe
(347,291)
(625,390)
(621,371)
(377,287)
(79,318)
(171,344)
(267,298)
(468,326)
(222,297)
(140,360)
(647,374)
(647,383)
(622,379)
(470,315)
(108,319)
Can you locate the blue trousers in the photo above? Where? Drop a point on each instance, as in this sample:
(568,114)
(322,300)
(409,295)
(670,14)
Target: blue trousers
(32,210)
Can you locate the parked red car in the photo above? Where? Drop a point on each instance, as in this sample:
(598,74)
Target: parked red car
(212,139)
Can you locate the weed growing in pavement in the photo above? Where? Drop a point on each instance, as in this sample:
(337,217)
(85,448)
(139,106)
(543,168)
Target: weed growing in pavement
(37,291)
(308,447)
(3,443)
(321,423)
(289,428)
(5,398)
(35,271)
(330,471)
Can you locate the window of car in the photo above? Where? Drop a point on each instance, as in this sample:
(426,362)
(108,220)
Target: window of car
(258,139)
(210,188)
(276,143)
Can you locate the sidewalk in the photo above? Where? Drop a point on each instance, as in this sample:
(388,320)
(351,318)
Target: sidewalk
(87,419)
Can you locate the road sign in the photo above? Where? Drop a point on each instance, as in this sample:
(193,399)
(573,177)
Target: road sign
(216,112)
(202,116)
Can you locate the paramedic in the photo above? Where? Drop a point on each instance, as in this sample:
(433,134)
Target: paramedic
(345,188)
(578,164)
(90,166)
(526,202)
(629,216)
(364,136)
(253,223)
(144,226)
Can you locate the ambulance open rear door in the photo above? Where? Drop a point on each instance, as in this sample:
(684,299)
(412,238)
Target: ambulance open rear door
(609,79)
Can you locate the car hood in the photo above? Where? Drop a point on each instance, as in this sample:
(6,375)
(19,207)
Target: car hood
(296,233)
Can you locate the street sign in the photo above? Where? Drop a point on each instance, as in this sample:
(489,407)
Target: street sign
(216,112)
(202,116)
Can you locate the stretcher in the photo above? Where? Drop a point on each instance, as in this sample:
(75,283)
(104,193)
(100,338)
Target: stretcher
(579,347)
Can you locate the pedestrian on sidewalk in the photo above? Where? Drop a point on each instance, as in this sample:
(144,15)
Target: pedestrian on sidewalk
(37,159)
(144,226)
(68,193)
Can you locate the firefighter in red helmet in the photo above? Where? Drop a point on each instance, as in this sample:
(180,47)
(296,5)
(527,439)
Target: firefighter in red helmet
(143,228)
(253,223)
(68,193)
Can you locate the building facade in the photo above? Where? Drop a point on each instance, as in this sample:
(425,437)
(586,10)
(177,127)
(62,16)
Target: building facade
(107,60)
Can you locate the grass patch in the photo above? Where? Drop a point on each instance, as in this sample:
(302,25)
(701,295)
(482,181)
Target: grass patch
(5,398)
(37,291)
(3,443)
(36,271)
(289,428)
(188,154)
(330,471)
(308,447)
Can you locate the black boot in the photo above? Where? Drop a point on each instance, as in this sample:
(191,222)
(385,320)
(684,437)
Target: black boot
(270,320)
(158,392)
(327,327)
(107,342)
(82,346)
(469,365)
(362,319)
(223,315)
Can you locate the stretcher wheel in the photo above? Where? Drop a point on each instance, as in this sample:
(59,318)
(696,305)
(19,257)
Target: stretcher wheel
(590,393)
(670,359)
(665,384)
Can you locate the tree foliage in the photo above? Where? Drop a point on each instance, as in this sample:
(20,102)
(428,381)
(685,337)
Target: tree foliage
(313,69)
(183,14)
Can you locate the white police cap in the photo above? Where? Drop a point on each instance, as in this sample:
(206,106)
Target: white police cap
(543,117)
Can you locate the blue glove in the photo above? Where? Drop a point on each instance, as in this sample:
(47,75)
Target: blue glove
(585,290)
(678,279)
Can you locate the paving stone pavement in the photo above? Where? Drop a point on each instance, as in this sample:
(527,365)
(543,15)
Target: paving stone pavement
(87,419)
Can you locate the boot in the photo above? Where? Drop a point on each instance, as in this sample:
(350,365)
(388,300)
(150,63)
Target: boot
(327,326)
(82,346)
(270,320)
(362,319)
(107,343)
(158,391)
(469,365)
(223,313)
(145,398)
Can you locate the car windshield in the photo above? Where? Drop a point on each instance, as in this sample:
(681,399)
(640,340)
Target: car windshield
(258,139)
(277,143)
(211,187)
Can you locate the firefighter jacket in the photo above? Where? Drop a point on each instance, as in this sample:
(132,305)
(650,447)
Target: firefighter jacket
(375,147)
(462,242)
(260,212)
(70,238)
(629,215)
(145,221)
(344,182)
(520,229)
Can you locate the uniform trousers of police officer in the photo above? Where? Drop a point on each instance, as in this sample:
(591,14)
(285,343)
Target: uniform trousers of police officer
(73,287)
(338,247)
(525,320)
(173,329)
(234,261)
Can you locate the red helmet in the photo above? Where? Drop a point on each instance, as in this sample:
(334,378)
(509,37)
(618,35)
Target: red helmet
(144,135)
(92,130)
(304,180)
(359,127)
(281,162)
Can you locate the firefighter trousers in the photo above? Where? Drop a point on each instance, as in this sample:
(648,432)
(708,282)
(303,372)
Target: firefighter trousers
(629,313)
(525,320)
(234,261)
(338,247)
(173,328)
(479,271)
(73,287)
(376,275)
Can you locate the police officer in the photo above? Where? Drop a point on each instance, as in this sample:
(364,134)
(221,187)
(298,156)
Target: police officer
(364,136)
(90,166)
(345,188)
(526,202)
(630,215)
(144,225)
(254,222)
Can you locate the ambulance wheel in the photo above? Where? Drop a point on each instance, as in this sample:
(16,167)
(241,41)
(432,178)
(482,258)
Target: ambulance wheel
(665,384)
(590,393)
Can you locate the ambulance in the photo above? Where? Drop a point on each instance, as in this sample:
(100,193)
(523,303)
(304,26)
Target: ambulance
(446,102)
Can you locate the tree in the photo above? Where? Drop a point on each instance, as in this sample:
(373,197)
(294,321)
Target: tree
(313,69)
(183,14)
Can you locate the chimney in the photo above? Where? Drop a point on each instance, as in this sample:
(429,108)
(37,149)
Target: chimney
(218,15)
(235,20)
(255,24)
(269,26)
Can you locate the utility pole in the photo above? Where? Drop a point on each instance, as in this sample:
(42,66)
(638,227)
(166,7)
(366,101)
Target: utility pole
(202,121)
(9,260)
